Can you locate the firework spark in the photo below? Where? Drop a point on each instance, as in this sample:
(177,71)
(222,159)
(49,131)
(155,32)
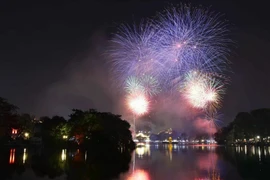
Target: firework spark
(183,45)
(180,39)
(214,119)
(191,37)
(138,104)
(150,85)
(202,91)
(145,84)
(133,85)
(132,52)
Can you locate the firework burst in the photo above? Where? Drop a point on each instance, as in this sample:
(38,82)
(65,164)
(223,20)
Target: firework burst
(132,52)
(133,85)
(183,46)
(191,37)
(138,103)
(150,85)
(144,84)
(202,91)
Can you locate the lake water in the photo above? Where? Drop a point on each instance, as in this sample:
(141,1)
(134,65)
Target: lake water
(155,162)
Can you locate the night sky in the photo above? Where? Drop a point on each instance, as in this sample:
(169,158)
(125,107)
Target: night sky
(52,55)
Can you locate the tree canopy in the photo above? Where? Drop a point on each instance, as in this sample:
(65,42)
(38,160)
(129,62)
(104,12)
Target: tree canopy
(247,125)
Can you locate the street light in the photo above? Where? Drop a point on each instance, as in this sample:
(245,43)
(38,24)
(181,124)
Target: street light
(258,137)
(65,137)
(26,134)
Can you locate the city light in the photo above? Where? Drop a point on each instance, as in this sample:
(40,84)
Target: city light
(26,134)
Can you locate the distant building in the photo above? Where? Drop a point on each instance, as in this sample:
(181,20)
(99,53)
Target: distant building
(169,133)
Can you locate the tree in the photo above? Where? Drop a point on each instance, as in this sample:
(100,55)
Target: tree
(25,122)
(50,127)
(60,131)
(247,126)
(100,127)
(8,117)
(7,112)
(262,117)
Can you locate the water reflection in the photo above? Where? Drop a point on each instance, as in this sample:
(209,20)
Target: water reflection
(169,152)
(12,156)
(24,155)
(252,162)
(64,155)
(153,162)
(166,161)
(143,151)
(139,175)
(207,161)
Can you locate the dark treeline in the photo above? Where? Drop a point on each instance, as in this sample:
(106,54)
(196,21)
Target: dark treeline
(103,144)
(247,128)
(82,128)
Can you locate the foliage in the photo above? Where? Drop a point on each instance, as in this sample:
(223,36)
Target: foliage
(98,127)
(61,130)
(25,122)
(246,126)
(7,113)
(87,127)
(51,128)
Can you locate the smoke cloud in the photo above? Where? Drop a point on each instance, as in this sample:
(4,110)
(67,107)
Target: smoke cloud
(88,83)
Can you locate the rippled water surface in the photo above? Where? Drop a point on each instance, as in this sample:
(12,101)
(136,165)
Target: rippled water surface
(152,162)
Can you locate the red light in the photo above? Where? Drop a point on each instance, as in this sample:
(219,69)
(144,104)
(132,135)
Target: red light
(14,131)
(12,156)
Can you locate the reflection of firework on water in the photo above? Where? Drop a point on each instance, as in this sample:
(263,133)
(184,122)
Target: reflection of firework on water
(202,91)
(139,175)
(138,103)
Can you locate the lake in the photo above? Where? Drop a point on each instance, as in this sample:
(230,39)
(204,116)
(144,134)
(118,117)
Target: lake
(152,162)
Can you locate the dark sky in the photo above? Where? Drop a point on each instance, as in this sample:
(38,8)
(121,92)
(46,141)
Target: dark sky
(52,55)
